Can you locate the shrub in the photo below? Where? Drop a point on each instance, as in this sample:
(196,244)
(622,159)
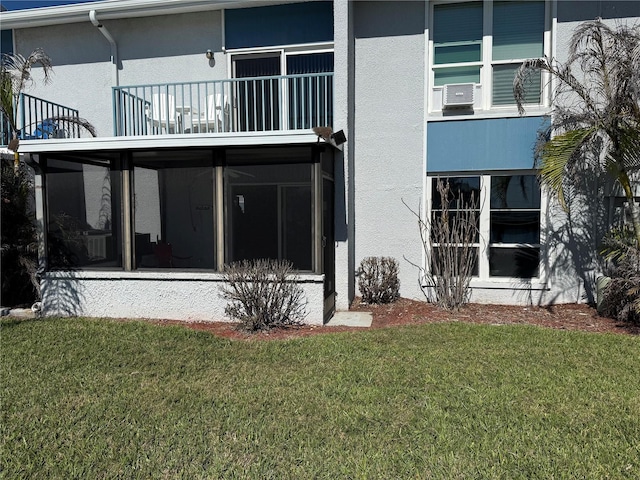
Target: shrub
(448,240)
(378,280)
(621,297)
(263,294)
(19,259)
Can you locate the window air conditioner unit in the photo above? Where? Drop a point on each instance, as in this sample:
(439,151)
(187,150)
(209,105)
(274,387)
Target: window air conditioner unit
(458,95)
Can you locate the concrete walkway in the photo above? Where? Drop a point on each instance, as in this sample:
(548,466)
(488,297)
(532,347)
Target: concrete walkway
(17,312)
(351,319)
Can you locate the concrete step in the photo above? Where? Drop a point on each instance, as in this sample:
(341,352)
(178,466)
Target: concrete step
(351,319)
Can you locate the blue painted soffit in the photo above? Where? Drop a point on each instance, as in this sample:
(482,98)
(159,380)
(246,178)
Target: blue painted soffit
(487,144)
(307,22)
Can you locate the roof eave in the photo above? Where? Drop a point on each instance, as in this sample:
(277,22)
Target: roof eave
(114,9)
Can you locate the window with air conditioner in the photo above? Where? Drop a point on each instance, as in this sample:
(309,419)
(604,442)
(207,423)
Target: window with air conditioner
(483,44)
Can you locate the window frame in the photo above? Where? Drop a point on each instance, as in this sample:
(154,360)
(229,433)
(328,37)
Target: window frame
(484,244)
(476,245)
(283,52)
(118,227)
(484,89)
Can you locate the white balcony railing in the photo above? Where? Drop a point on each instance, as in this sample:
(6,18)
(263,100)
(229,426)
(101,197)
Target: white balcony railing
(260,104)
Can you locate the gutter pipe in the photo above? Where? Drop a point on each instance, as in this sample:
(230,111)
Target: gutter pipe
(114,47)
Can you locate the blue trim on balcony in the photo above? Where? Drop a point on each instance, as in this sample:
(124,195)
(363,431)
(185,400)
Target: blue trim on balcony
(236,105)
(480,145)
(295,23)
(39,119)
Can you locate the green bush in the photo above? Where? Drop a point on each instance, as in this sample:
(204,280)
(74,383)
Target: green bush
(378,280)
(20,285)
(621,297)
(263,294)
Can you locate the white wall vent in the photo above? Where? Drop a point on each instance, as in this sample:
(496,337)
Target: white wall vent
(458,95)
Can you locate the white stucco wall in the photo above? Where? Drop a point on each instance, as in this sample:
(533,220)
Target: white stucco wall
(161,49)
(573,237)
(389,131)
(188,296)
(343,115)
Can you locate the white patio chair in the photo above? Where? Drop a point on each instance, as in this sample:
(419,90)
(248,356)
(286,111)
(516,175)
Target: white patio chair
(215,118)
(163,113)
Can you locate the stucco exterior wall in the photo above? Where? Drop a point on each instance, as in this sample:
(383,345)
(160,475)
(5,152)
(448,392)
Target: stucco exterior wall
(187,296)
(343,115)
(389,130)
(160,49)
(573,237)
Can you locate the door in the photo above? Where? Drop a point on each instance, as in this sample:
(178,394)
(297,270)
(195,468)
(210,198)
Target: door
(258,98)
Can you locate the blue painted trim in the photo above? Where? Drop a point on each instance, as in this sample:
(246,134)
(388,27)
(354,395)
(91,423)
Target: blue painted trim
(294,23)
(6,41)
(487,144)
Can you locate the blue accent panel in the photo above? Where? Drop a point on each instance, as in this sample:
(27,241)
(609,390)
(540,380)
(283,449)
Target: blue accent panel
(279,25)
(478,145)
(6,41)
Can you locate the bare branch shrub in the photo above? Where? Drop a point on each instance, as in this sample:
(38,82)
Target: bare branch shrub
(448,239)
(378,280)
(263,294)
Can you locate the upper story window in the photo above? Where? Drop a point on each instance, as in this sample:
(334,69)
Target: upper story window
(484,43)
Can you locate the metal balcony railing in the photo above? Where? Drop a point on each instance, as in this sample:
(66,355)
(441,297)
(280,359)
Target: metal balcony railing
(39,119)
(260,104)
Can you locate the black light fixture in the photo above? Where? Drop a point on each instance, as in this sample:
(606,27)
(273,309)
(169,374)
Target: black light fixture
(209,54)
(327,134)
(338,138)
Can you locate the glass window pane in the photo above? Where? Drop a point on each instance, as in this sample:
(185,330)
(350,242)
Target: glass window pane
(503,76)
(83,206)
(514,262)
(515,191)
(453,256)
(444,76)
(461,22)
(310,63)
(174,205)
(457,219)
(270,213)
(515,227)
(464,191)
(469,52)
(518,30)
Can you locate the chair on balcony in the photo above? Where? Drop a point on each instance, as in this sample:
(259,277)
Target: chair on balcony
(163,115)
(216,116)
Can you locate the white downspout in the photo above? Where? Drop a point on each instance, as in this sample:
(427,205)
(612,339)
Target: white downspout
(114,47)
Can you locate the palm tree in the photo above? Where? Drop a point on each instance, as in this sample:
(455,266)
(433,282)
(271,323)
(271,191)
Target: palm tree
(15,78)
(19,238)
(596,103)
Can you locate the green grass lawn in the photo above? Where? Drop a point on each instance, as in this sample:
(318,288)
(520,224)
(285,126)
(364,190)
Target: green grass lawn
(101,399)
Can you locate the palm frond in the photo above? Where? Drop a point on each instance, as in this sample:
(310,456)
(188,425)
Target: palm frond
(7,99)
(556,157)
(628,157)
(77,121)
(19,68)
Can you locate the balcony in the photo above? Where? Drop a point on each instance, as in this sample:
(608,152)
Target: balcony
(259,104)
(40,119)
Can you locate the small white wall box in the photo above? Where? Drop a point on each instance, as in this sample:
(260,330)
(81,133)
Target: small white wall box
(458,95)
